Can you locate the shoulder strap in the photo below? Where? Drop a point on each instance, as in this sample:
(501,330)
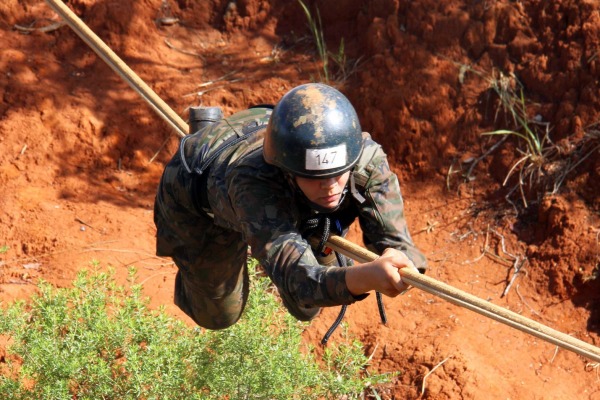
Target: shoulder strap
(232,141)
(361,172)
(200,150)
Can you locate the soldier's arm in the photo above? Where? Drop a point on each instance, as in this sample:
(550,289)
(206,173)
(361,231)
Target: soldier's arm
(268,221)
(381,215)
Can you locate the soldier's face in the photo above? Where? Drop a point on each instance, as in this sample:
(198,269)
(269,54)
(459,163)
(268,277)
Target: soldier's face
(324,192)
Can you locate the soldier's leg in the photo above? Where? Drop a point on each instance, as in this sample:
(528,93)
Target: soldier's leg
(212,286)
(212,282)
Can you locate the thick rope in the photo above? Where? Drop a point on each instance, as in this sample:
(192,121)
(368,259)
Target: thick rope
(473,303)
(100,48)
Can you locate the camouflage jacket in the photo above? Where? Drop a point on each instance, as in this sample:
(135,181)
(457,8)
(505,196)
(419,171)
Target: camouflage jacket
(249,196)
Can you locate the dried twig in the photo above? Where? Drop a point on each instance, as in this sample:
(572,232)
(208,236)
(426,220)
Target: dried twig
(591,366)
(45,29)
(429,228)
(221,78)
(430,372)
(484,251)
(86,224)
(372,354)
(162,146)
(514,277)
(202,92)
(554,356)
(450,172)
(503,246)
(526,304)
(484,155)
(558,183)
(189,53)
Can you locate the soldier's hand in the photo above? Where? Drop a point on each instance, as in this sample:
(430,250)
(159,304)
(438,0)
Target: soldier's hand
(382,274)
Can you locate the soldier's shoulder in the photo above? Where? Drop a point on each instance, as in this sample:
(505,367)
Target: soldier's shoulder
(371,150)
(260,115)
(235,123)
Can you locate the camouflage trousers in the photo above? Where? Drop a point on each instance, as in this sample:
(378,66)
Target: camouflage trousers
(211,285)
(213,289)
(212,281)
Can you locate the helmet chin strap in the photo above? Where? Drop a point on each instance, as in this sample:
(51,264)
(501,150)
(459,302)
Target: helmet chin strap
(292,181)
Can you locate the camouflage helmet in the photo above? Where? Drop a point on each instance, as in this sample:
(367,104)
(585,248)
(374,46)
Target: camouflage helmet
(313,132)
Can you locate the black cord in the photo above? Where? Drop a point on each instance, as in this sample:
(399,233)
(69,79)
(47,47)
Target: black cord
(335,324)
(342,263)
(381,308)
(324,222)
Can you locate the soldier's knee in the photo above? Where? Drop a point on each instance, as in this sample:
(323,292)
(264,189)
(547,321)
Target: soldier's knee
(307,315)
(302,313)
(209,310)
(206,315)
(215,324)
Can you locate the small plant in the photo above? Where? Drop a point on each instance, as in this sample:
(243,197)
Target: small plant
(344,68)
(513,102)
(534,155)
(541,166)
(99,340)
(3,249)
(316,28)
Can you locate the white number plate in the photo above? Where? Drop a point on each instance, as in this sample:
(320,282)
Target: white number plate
(320,159)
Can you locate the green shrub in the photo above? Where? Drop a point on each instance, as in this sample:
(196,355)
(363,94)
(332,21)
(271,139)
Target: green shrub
(98,340)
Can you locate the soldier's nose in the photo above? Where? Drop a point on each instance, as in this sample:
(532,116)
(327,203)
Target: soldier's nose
(328,182)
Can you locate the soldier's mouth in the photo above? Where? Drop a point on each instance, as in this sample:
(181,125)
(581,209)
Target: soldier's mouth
(330,198)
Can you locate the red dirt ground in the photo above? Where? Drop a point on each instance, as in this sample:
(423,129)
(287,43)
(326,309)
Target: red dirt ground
(81,154)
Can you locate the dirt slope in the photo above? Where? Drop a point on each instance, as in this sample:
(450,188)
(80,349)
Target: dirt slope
(81,154)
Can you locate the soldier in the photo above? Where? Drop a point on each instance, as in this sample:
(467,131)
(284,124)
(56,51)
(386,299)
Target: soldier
(279,180)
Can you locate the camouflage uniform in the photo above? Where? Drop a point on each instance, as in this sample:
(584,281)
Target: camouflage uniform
(206,223)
